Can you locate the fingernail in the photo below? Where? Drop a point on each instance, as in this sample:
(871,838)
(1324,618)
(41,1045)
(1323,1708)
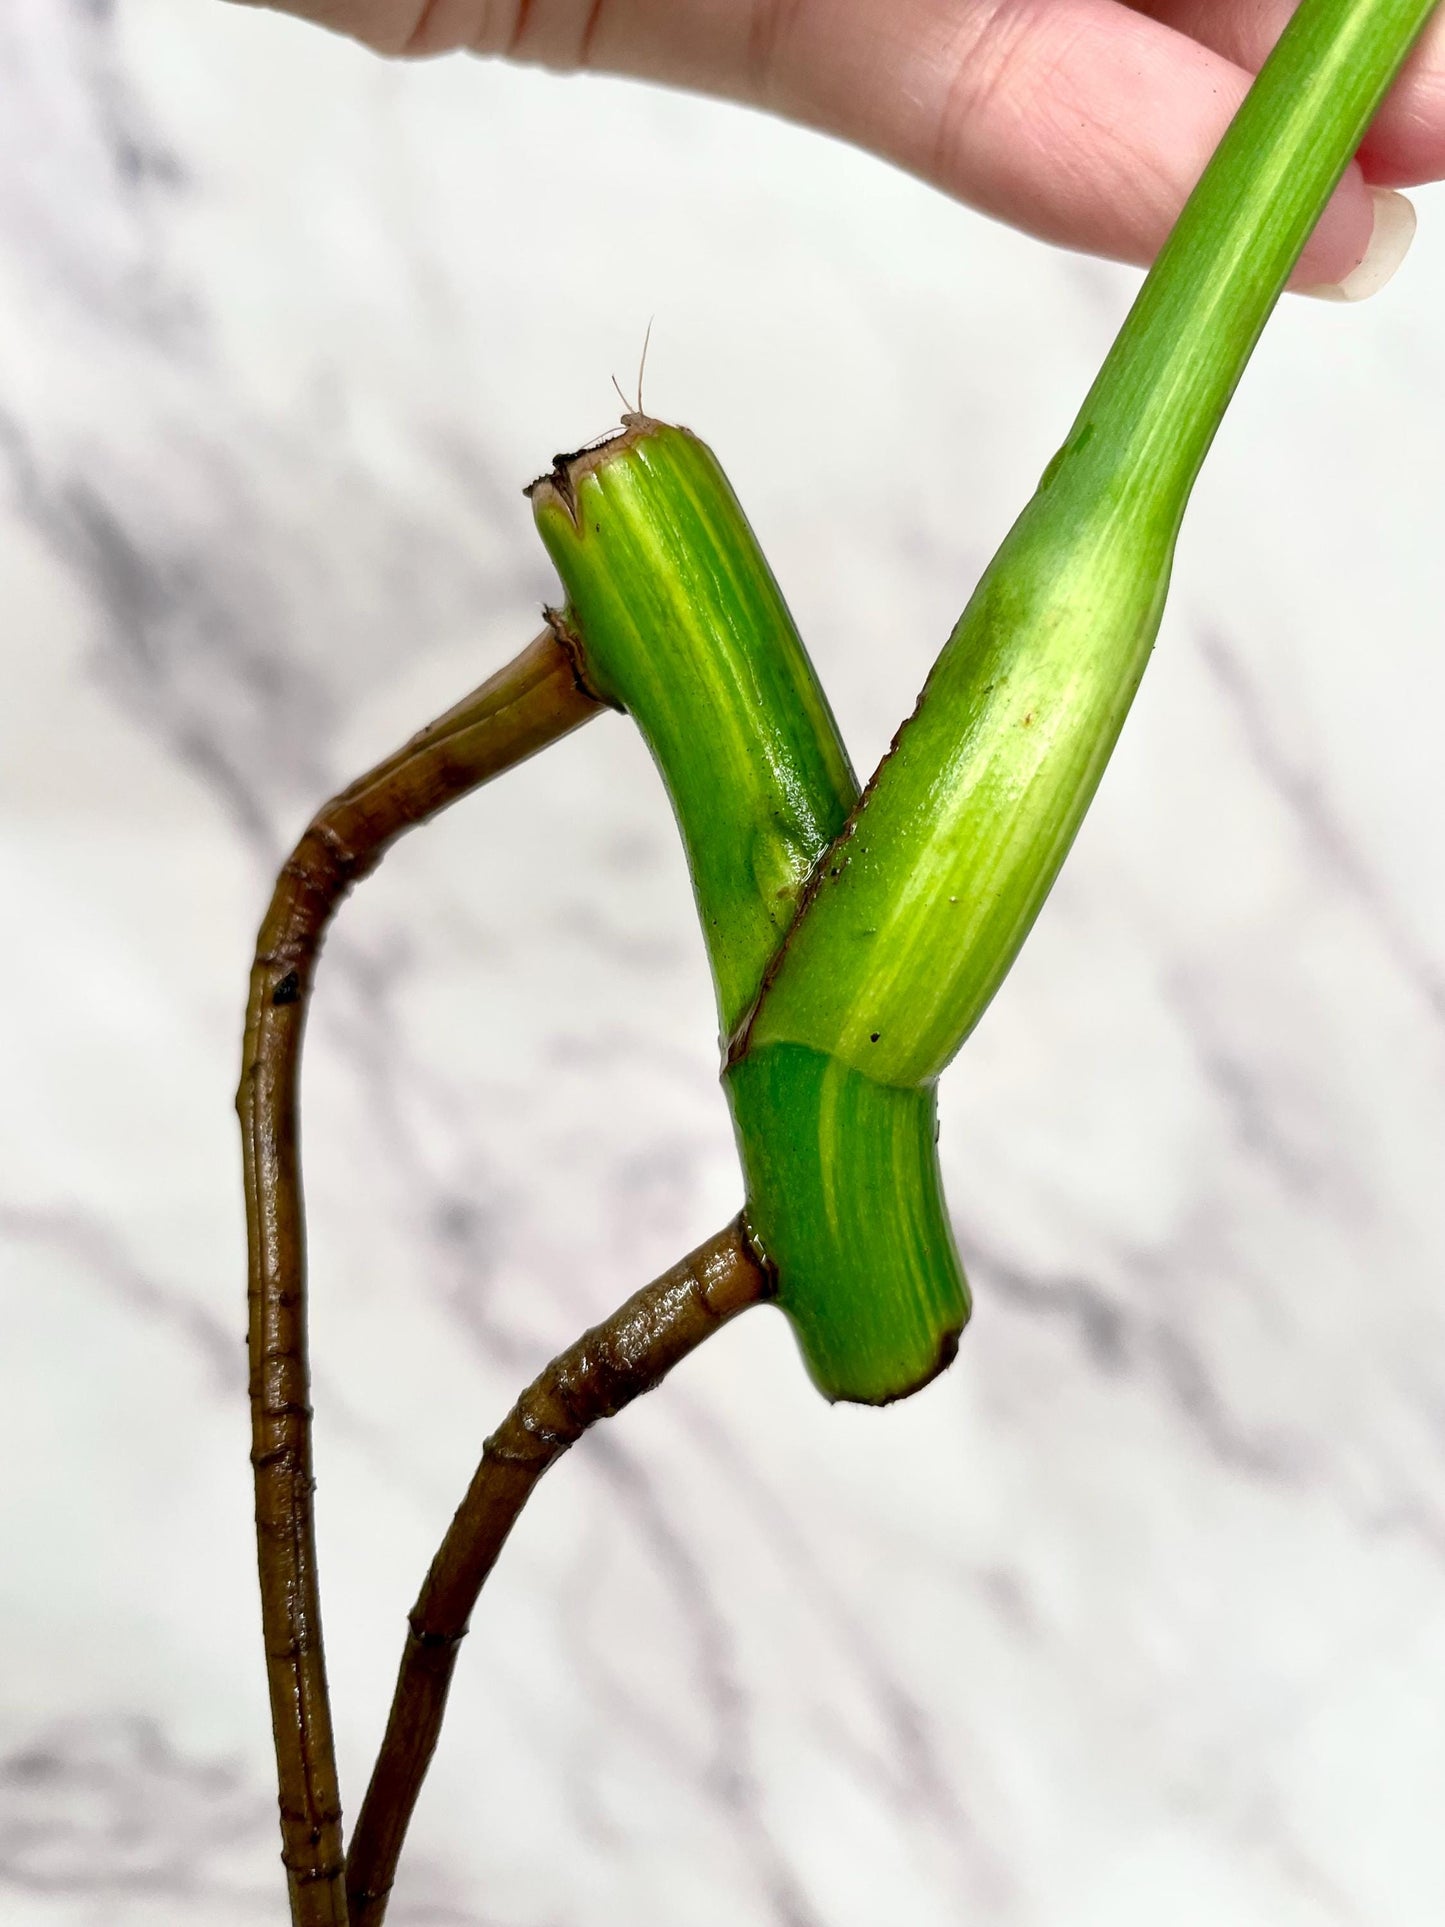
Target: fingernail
(1390,240)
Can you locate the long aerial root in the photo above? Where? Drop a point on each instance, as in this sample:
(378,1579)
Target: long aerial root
(603,1371)
(532,702)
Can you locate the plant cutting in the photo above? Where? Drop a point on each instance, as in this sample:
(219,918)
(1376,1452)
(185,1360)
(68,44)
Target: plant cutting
(855,940)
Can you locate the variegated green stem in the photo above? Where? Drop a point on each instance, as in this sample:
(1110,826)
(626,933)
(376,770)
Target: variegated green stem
(676,617)
(846,1200)
(914,917)
(923,904)
(681,623)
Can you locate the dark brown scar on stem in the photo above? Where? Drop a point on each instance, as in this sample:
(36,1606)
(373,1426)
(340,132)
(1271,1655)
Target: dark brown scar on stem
(818,875)
(947,1351)
(567,471)
(569,641)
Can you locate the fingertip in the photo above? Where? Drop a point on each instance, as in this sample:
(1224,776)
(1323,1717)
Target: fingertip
(1391,230)
(1341,237)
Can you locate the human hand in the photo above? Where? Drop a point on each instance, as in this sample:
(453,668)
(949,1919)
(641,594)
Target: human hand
(1085,122)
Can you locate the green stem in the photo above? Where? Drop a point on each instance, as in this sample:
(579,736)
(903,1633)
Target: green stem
(926,899)
(921,903)
(682,625)
(846,1200)
(1168,379)
(675,617)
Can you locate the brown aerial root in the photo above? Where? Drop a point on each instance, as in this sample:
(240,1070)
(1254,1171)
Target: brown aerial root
(532,702)
(595,1378)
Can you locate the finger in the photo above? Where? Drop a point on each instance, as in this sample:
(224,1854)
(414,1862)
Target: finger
(1085,122)
(383,24)
(1406,144)
(1082,121)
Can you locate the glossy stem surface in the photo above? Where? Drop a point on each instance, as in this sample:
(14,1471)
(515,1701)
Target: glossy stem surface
(595,1378)
(845,1200)
(531,703)
(682,624)
(677,618)
(1148,421)
(925,900)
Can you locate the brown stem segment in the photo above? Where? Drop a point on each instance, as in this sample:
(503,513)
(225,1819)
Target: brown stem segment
(532,702)
(606,1369)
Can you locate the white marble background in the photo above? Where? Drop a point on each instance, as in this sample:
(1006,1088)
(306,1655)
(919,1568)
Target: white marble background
(1137,1616)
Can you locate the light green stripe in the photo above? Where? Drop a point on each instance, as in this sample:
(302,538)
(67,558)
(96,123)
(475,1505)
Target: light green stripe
(922,910)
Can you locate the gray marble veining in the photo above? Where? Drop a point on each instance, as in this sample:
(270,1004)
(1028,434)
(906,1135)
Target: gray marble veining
(1139,1613)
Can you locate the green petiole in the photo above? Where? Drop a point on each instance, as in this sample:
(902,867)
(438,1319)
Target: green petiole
(843,1005)
(922,907)
(676,617)
(681,623)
